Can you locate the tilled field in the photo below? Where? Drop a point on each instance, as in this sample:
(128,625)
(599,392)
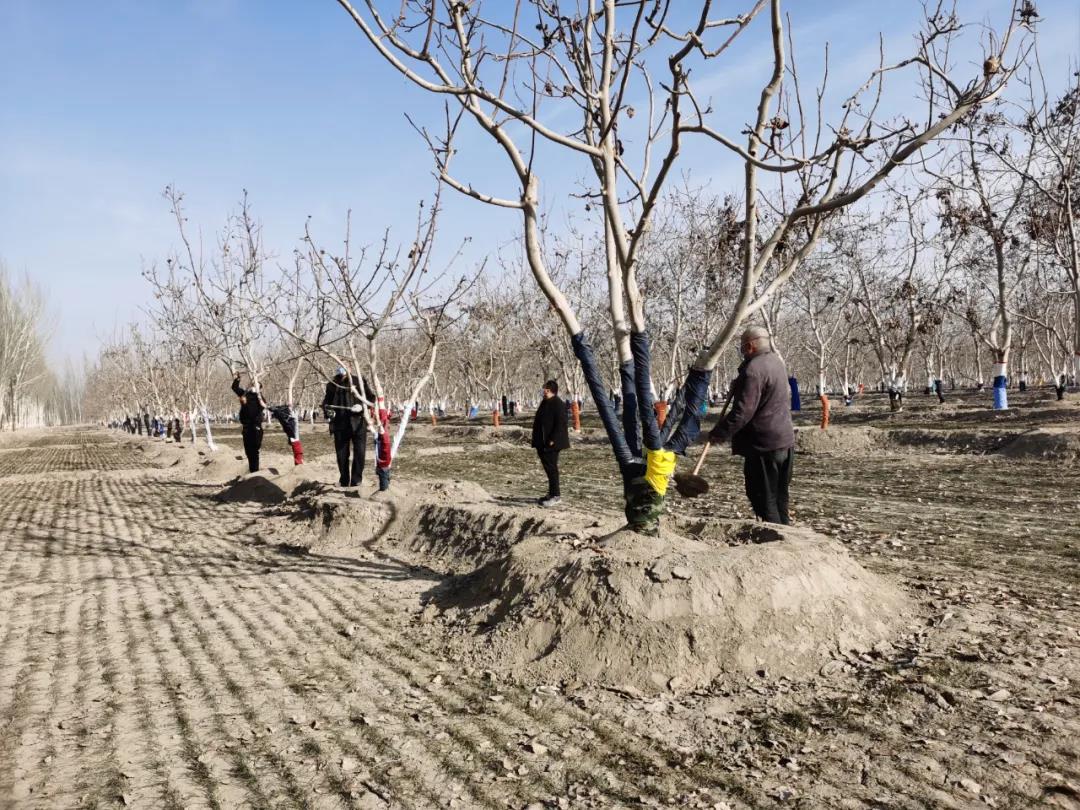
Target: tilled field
(60,458)
(159,652)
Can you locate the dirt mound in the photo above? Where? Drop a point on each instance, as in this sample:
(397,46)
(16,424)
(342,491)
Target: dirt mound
(812,440)
(1056,444)
(269,487)
(977,442)
(484,433)
(322,518)
(456,449)
(217,468)
(562,597)
(864,440)
(670,612)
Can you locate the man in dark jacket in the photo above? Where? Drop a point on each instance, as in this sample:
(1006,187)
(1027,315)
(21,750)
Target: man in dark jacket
(549,436)
(759,426)
(346,416)
(251,421)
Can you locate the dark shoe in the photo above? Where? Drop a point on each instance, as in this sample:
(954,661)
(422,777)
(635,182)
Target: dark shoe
(551,501)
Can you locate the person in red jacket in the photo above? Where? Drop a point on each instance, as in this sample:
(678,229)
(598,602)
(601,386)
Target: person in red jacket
(759,426)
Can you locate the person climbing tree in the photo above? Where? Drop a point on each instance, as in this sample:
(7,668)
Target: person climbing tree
(346,416)
(759,426)
(251,420)
(550,435)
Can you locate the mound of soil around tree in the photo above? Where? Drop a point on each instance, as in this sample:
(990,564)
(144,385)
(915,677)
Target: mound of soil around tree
(563,598)
(1053,444)
(267,487)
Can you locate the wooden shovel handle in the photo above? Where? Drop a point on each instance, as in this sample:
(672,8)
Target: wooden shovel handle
(701,460)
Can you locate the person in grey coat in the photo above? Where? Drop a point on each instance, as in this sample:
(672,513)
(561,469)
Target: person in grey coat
(759,426)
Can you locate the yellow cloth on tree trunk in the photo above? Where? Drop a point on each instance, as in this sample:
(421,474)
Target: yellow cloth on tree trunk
(659,466)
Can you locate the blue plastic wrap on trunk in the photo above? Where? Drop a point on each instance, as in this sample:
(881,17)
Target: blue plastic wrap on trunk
(630,427)
(796,401)
(650,432)
(688,425)
(1001,396)
(584,353)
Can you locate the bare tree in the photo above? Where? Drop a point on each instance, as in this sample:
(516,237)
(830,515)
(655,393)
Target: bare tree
(983,203)
(360,299)
(510,73)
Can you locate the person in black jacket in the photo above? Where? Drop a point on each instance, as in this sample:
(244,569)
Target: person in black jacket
(759,426)
(549,436)
(346,416)
(251,421)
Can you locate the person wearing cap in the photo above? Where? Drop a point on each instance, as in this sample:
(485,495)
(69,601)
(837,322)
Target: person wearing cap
(759,426)
(346,416)
(550,435)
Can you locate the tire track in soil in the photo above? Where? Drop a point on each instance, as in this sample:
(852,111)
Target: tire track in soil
(11,566)
(226,668)
(17,720)
(67,689)
(269,637)
(128,754)
(221,787)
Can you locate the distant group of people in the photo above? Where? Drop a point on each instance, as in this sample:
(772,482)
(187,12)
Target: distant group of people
(758,425)
(153,426)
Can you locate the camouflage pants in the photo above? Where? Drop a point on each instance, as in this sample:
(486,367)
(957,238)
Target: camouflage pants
(644,505)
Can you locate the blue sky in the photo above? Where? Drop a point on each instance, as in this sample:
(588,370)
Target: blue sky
(102,104)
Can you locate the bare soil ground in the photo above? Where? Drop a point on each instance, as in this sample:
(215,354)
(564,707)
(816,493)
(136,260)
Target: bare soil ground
(161,649)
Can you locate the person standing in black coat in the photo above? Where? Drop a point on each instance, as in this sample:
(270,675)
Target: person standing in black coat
(251,421)
(346,416)
(550,436)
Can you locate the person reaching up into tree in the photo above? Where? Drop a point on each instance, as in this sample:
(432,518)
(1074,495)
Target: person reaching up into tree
(251,420)
(550,435)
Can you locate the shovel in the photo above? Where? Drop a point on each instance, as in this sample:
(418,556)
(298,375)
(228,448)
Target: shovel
(690,485)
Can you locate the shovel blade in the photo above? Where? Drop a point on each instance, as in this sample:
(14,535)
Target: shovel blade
(690,486)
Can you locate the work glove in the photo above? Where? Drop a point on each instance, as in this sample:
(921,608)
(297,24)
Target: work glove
(357,408)
(718,434)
